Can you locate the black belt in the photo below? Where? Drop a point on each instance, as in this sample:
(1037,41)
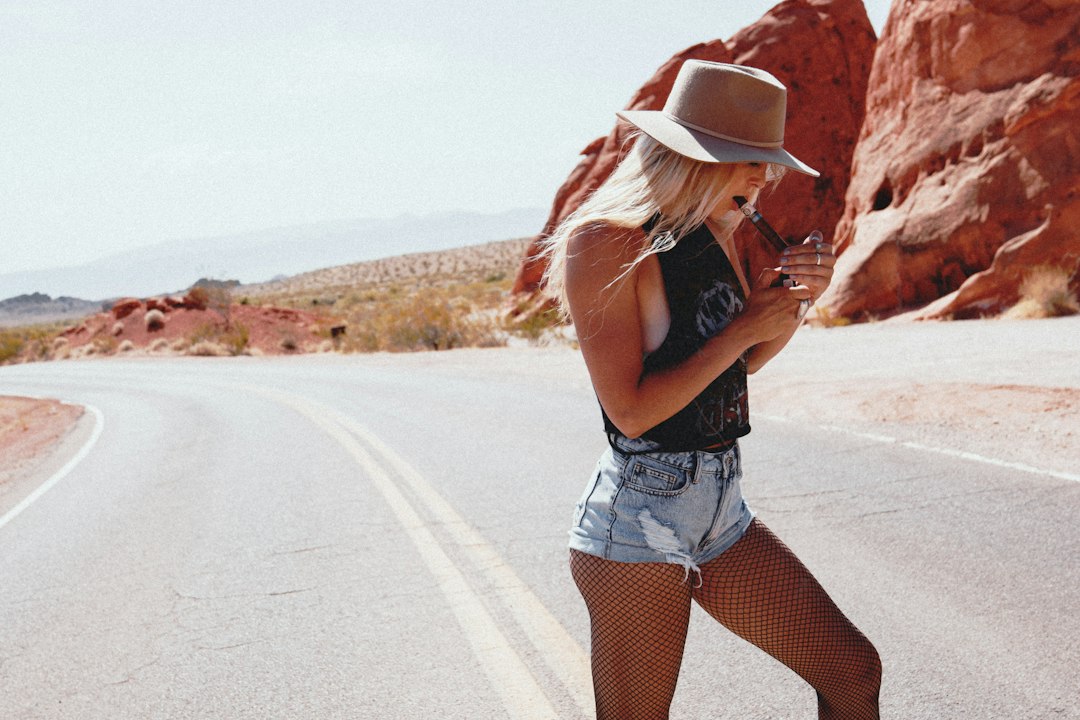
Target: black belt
(722,446)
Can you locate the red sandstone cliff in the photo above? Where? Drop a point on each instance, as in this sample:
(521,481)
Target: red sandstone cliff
(822,51)
(965,174)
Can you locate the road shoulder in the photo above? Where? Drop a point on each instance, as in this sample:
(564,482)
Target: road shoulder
(37,436)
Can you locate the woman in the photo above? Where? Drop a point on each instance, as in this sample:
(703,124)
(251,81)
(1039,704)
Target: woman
(669,328)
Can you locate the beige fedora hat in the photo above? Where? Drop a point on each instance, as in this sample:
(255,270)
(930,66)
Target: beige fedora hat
(718,112)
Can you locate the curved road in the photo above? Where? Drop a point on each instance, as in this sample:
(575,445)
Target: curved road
(384,537)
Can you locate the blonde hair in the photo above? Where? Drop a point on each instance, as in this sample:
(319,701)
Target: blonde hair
(652,181)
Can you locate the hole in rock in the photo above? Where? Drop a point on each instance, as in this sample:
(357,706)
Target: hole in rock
(883,198)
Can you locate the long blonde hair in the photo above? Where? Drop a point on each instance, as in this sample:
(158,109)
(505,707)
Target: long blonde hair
(651,181)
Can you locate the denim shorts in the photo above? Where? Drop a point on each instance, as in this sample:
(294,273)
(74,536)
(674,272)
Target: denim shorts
(682,507)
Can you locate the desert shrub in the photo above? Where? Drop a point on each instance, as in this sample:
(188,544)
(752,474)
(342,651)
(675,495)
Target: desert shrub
(218,340)
(197,298)
(534,325)
(204,331)
(236,338)
(401,322)
(155,320)
(207,348)
(11,345)
(1044,293)
(126,346)
(362,338)
(159,345)
(106,344)
(219,299)
(28,342)
(424,324)
(822,316)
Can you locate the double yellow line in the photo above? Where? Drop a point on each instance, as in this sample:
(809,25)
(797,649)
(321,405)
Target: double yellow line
(505,668)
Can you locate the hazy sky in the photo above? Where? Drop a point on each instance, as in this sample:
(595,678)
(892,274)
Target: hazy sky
(126,123)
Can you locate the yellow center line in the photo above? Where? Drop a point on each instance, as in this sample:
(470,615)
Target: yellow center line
(511,678)
(562,654)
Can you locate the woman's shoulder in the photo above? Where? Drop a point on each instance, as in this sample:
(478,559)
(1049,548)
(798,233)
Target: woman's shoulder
(607,239)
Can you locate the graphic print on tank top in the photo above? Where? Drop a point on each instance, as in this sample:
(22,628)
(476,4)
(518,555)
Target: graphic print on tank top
(727,409)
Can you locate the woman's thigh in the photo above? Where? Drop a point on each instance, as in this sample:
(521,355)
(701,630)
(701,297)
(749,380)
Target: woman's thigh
(639,614)
(762,592)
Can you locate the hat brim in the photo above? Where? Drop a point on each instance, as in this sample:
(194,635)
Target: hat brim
(700,146)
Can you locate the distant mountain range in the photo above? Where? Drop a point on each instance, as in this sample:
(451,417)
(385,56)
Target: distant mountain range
(260,256)
(36,308)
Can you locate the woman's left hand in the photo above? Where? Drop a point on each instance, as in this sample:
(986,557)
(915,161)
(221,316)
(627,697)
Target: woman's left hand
(810,264)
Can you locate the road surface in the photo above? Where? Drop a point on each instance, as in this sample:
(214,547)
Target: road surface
(384,537)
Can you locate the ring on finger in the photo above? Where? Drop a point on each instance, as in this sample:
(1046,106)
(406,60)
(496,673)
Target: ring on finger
(818,255)
(818,247)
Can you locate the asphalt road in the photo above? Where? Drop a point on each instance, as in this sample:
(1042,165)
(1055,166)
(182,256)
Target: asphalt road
(384,537)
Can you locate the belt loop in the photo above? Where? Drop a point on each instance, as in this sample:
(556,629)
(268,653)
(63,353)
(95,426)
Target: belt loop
(696,455)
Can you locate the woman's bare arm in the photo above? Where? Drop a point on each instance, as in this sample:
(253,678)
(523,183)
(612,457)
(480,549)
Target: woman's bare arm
(608,321)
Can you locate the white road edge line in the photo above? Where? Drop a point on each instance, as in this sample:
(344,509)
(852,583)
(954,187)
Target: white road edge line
(521,695)
(99,425)
(962,454)
(562,654)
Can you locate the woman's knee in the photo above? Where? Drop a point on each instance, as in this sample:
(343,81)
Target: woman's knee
(870,670)
(859,672)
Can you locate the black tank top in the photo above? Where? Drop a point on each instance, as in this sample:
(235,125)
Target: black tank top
(703,295)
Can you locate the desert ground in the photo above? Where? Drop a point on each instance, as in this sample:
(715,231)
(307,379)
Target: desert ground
(31,429)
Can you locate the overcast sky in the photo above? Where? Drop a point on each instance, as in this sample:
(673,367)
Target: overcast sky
(127,123)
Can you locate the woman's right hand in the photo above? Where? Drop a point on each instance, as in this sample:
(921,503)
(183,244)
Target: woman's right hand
(773,311)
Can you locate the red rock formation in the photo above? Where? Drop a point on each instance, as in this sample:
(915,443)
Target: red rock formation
(124,307)
(965,174)
(158,304)
(821,50)
(259,330)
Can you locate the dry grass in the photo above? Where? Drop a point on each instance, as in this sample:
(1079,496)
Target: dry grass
(30,342)
(211,340)
(1045,292)
(425,301)
(822,316)
(424,317)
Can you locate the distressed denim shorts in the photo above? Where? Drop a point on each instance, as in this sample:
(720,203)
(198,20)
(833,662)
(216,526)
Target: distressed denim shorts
(682,507)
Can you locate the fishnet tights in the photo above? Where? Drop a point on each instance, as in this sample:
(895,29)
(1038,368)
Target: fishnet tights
(758,589)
